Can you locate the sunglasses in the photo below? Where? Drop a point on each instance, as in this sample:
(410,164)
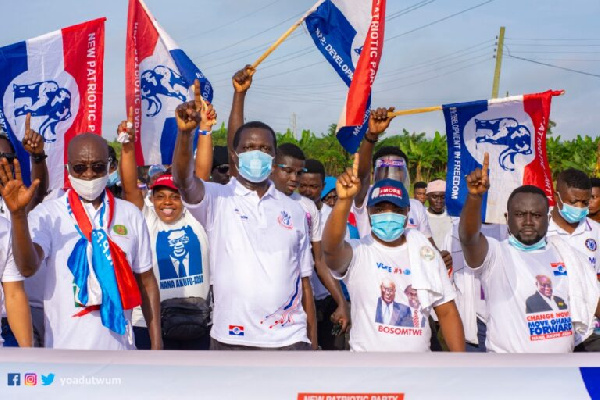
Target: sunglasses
(97,168)
(223,169)
(10,157)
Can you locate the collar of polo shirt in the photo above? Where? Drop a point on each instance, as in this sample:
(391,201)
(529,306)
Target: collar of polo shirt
(242,190)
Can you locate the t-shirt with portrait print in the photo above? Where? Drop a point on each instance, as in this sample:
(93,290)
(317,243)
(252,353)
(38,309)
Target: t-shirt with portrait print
(180,258)
(386,312)
(527,300)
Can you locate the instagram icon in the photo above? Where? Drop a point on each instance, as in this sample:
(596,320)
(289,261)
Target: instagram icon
(30,379)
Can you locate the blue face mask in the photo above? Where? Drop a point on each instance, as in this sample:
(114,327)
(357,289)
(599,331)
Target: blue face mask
(255,166)
(572,214)
(514,242)
(113,178)
(388,226)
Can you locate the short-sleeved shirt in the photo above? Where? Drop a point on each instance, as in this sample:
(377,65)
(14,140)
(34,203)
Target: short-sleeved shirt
(315,226)
(379,325)
(54,230)
(260,251)
(440,225)
(180,258)
(417,218)
(585,239)
(524,316)
(8,268)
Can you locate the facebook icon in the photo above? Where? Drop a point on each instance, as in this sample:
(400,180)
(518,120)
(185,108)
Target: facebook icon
(14,379)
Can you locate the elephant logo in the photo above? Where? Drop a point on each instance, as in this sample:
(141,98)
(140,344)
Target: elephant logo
(161,80)
(48,100)
(506,132)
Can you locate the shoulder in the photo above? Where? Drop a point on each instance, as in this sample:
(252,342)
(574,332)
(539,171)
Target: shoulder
(417,206)
(127,210)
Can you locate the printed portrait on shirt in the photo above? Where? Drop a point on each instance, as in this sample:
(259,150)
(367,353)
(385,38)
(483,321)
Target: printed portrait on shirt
(544,299)
(178,253)
(391,312)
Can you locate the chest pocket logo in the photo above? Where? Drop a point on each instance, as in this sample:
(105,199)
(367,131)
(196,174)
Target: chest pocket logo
(591,244)
(285,220)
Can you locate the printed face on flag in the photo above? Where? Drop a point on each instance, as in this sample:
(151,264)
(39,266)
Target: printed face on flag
(40,77)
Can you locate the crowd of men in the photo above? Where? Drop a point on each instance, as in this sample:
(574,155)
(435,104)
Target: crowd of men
(253,247)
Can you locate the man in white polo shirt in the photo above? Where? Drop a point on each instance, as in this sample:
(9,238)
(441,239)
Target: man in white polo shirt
(569,220)
(511,271)
(394,276)
(87,305)
(260,247)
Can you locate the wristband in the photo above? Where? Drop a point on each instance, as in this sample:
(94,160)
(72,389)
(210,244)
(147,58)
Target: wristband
(38,158)
(201,132)
(373,141)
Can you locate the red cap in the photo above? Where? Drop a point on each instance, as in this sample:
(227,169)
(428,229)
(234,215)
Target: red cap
(165,180)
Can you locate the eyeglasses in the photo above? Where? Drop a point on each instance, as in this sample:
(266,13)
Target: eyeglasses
(10,157)
(289,170)
(97,168)
(223,169)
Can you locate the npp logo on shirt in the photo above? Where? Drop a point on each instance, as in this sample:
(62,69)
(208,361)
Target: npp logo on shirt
(285,220)
(559,269)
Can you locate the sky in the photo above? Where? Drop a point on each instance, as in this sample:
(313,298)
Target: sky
(435,52)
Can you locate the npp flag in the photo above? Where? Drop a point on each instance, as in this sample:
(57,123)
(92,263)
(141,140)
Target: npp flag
(57,78)
(513,131)
(349,33)
(158,76)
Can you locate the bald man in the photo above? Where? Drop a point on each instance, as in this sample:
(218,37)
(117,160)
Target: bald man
(86,307)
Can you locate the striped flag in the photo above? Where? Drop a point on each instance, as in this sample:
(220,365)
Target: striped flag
(349,33)
(513,131)
(158,75)
(57,78)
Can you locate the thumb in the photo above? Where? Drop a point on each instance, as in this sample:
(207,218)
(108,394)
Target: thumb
(33,188)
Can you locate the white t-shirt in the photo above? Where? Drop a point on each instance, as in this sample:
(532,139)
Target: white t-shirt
(520,318)
(319,290)
(54,230)
(417,218)
(313,216)
(585,239)
(440,225)
(377,325)
(8,268)
(260,250)
(180,258)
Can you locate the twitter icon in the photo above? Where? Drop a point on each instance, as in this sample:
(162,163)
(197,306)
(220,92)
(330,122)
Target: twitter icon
(47,379)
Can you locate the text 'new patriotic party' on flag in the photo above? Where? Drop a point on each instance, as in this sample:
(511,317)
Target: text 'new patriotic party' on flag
(349,33)
(57,78)
(513,131)
(158,75)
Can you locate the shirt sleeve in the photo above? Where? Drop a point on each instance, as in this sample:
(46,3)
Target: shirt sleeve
(203,211)
(142,259)
(448,293)
(304,253)
(11,272)
(423,222)
(40,228)
(354,243)
(491,259)
(315,228)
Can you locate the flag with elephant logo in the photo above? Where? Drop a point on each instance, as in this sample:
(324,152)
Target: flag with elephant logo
(57,78)
(158,76)
(512,131)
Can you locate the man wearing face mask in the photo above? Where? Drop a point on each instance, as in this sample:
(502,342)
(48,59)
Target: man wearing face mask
(263,298)
(569,220)
(509,271)
(390,254)
(87,300)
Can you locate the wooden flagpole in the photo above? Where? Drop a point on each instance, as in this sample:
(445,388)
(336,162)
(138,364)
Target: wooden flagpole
(285,35)
(439,108)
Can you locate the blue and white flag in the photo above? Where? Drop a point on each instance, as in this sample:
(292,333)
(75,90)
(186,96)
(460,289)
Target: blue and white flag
(158,78)
(513,131)
(349,34)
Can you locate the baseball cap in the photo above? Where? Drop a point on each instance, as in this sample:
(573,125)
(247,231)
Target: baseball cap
(391,191)
(436,186)
(164,180)
(220,156)
(329,186)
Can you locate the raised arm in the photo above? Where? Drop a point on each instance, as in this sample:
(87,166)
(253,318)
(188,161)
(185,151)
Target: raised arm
(378,123)
(17,197)
(338,252)
(204,148)
(241,83)
(189,118)
(127,165)
(473,242)
(33,143)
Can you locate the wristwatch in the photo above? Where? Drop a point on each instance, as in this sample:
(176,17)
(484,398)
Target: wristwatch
(371,140)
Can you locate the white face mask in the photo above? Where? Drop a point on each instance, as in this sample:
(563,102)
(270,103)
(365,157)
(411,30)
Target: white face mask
(89,190)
